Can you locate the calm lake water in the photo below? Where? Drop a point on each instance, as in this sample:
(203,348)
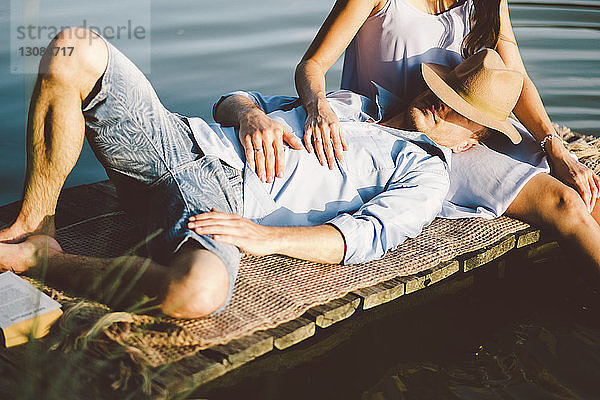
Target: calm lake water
(201,49)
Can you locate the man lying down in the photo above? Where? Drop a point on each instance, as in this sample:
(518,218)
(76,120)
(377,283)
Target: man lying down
(195,182)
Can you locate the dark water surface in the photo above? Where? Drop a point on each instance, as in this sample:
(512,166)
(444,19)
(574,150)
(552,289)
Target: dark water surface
(533,335)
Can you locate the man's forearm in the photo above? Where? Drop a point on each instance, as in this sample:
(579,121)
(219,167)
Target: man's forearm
(231,109)
(323,243)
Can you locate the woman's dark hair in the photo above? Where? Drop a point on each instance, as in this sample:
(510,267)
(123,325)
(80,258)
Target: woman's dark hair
(485,27)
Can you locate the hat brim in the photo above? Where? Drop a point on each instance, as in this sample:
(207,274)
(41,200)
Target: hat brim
(435,77)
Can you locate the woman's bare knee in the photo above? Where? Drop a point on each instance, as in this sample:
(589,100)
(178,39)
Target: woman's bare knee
(198,285)
(544,199)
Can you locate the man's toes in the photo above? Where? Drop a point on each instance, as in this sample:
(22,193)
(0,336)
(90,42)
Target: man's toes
(17,257)
(18,232)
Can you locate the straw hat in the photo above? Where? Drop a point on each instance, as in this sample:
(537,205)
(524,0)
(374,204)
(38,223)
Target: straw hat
(480,88)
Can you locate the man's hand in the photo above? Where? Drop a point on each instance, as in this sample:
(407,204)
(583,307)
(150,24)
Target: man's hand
(573,173)
(263,139)
(322,243)
(323,134)
(241,232)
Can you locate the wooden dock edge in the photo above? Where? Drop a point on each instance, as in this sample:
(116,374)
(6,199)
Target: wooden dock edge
(397,293)
(212,363)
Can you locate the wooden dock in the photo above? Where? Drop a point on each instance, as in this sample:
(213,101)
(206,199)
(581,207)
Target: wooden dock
(358,308)
(90,201)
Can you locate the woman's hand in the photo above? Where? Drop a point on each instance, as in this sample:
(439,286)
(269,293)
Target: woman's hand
(573,173)
(241,232)
(323,134)
(263,139)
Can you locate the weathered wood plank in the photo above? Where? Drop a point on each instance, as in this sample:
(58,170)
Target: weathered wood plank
(528,237)
(336,310)
(413,283)
(441,271)
(427,277)
(190,373)
(489,253)
(292,332)
(326,341)
(240,351)
(381,293)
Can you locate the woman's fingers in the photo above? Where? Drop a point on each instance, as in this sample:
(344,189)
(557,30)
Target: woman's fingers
(328,145)
(583,188)
(596,180)
(326,140)
(318,144)
(593,189)
(308,138)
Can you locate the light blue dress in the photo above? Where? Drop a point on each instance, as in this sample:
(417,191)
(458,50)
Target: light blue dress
(389,49)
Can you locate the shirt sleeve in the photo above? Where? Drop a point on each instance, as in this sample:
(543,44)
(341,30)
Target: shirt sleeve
(267,103)
(411,202)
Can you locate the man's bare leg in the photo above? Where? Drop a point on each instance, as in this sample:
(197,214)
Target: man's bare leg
(56,127)
(545,201)
(194,285)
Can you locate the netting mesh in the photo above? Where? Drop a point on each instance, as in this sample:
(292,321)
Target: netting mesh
(272,290)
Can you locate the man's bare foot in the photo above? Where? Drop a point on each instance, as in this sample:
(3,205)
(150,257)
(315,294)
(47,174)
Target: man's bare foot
(19,257)
(19,231)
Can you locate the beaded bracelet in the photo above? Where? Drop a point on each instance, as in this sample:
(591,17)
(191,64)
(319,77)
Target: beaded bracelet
(545,140)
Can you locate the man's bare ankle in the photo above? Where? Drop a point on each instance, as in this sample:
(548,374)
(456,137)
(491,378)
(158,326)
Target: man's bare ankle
(20,229)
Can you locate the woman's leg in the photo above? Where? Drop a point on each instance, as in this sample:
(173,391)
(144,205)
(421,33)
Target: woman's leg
(547,202)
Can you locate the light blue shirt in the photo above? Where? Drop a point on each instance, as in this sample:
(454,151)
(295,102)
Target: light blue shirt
(390,185)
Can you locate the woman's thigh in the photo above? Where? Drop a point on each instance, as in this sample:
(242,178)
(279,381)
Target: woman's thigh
(529,203)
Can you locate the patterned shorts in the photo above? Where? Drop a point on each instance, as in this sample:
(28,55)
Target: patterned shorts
(160,172)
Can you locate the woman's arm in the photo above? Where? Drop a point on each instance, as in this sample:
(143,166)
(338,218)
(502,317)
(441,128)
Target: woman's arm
(529,109)
(338,30)
(532,114)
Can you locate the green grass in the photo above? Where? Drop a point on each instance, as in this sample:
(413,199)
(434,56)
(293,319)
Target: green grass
(75,360)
